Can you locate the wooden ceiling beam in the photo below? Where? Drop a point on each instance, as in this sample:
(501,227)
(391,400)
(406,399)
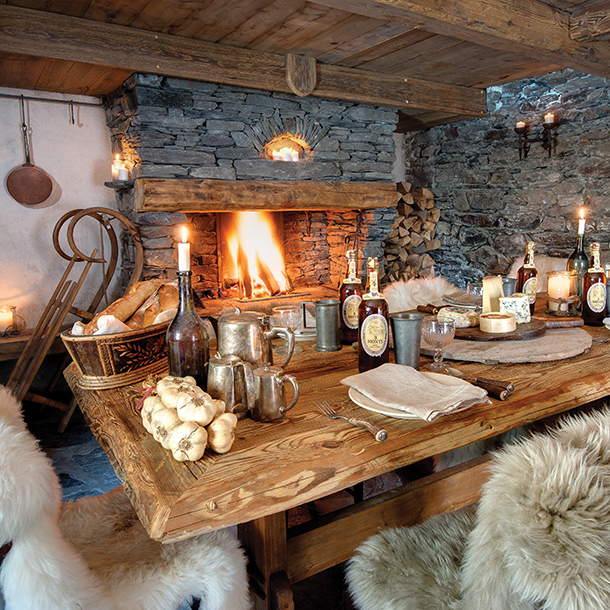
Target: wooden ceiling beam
(44,34)
(591,23)
(515,26)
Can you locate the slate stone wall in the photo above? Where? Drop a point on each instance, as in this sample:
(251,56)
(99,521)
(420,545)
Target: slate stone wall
(173,128)
(491,202)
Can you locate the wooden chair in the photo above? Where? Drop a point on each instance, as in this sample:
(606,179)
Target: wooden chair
(94,553)
(538,540)
(62,301)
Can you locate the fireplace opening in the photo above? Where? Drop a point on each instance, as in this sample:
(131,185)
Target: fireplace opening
(251,255)
(286,148)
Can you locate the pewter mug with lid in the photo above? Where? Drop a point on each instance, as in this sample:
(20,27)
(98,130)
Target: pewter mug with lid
(247,336)
(269,396)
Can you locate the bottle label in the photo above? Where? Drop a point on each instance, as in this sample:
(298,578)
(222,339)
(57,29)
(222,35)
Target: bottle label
(374,334)
(529,289)
(350,310)
(596,298)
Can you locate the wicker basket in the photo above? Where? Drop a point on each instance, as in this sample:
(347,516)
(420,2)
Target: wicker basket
(112,361)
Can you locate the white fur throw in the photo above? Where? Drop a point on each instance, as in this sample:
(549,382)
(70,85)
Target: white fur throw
(94,554)
(405,295)
(540,539)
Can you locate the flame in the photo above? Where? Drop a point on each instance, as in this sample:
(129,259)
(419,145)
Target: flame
(256,256)
(582,212)
(285,154)
(185,235)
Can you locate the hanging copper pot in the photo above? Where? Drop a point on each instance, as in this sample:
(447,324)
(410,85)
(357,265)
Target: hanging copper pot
(28,184)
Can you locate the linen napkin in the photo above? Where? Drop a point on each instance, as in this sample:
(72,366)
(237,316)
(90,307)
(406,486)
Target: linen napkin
(403,388)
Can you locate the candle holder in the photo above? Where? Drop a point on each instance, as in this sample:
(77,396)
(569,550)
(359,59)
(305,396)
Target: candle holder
(548,136)
(563,297)
(10,322)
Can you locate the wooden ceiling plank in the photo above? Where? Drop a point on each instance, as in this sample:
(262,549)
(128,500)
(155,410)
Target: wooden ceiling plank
(74,8)
(118,12)
(257,25)
(358,44)
(591,23)
(21,71)
(519,26)
(386,47)
(60,37)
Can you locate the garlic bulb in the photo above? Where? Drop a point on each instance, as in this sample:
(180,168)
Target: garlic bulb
(221,432)
(187,441)
(151,404)
(178,394)
(169,381)
(163,420)
(201,410)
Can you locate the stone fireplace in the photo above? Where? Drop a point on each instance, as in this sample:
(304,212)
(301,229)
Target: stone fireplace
(196,150)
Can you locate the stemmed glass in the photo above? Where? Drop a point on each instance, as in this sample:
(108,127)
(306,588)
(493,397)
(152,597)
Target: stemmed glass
(288,316)
(438,333)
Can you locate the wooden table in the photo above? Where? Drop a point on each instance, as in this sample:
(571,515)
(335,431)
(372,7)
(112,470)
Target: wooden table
(274,467)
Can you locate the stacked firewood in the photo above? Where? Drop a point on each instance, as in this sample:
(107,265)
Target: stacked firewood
(413,236)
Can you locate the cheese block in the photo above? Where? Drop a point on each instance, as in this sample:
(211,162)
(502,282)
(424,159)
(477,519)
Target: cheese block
(497,322)
(518,304)
(492,291)
(463,317)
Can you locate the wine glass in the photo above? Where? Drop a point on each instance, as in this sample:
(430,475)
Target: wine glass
(288,316)
(438,333)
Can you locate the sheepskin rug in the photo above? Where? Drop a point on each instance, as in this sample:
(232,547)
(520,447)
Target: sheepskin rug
(540,538)
(405,295)
(93,553)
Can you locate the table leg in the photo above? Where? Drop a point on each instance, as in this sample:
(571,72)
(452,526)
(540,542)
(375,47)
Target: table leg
(265,541)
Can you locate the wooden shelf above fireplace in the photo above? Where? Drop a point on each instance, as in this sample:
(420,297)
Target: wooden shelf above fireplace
(199,195)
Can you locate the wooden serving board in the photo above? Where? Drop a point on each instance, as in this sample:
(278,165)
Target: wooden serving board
(534,328)
(555,344)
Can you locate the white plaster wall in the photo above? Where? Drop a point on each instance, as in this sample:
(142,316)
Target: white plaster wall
(78,159)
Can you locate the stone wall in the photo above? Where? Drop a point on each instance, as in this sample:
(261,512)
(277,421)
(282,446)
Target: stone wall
(491,202)
(172,128)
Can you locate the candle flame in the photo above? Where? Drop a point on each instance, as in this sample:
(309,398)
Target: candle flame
(582,212)
(185,235)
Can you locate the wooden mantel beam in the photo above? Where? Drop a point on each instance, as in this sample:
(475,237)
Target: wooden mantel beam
(44,34)
(524,27)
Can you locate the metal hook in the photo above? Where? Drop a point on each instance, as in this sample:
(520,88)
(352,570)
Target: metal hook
(72,111)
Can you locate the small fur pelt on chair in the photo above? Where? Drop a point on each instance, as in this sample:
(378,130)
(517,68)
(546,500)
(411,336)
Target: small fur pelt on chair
(405,295)
(93,553)
(540,539)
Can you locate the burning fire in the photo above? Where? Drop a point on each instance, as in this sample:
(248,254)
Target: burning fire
(257,264)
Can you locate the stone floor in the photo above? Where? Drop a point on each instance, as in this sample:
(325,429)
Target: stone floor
(84,469)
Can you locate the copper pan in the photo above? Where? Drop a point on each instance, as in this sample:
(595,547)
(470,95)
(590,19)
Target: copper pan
(28,184)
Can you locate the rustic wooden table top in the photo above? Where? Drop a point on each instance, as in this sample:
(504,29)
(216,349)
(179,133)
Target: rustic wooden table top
(274,467)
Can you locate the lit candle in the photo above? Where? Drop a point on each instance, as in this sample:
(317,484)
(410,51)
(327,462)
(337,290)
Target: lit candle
(6,318)
(184,252)
(116,166)
(581,222)
(559,287)
(520,125)
(123,173)
(549,118)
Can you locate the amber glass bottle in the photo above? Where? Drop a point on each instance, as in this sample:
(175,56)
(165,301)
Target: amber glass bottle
(527,276)
(373,330)
(188,347)
(350,296)
(594,290)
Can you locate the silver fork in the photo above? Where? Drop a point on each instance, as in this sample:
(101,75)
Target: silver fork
(377,431)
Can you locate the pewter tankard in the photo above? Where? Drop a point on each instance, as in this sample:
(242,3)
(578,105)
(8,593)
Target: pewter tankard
(230,379)
(245,335)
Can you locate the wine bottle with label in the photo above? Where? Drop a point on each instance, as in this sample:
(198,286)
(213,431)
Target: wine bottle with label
(594,290)
(373,328)
(188,347)
(578,261)
(350,297)
(527,277)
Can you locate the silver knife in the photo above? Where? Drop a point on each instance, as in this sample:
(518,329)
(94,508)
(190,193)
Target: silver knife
(496,388)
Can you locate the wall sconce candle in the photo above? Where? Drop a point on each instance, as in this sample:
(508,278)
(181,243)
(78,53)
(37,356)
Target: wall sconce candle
(548,136)
(123,173)
(116,166)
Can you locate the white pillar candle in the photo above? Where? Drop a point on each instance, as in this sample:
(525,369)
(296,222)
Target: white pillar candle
(6,318)
(123,173)
(520,125)
(559,287)
(116,165)
(581,222)
(549,118)
(184,252)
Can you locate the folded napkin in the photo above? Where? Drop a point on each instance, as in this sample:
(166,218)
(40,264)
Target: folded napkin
(403,388)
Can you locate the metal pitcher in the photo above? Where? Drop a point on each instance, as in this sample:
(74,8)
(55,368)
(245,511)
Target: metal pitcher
(269,397)
(230,379)
(247,336)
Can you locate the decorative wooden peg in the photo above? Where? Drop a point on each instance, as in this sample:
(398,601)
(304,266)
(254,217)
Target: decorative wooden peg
(300,74)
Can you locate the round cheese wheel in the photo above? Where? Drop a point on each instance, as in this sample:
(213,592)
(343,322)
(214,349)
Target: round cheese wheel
(498,322)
